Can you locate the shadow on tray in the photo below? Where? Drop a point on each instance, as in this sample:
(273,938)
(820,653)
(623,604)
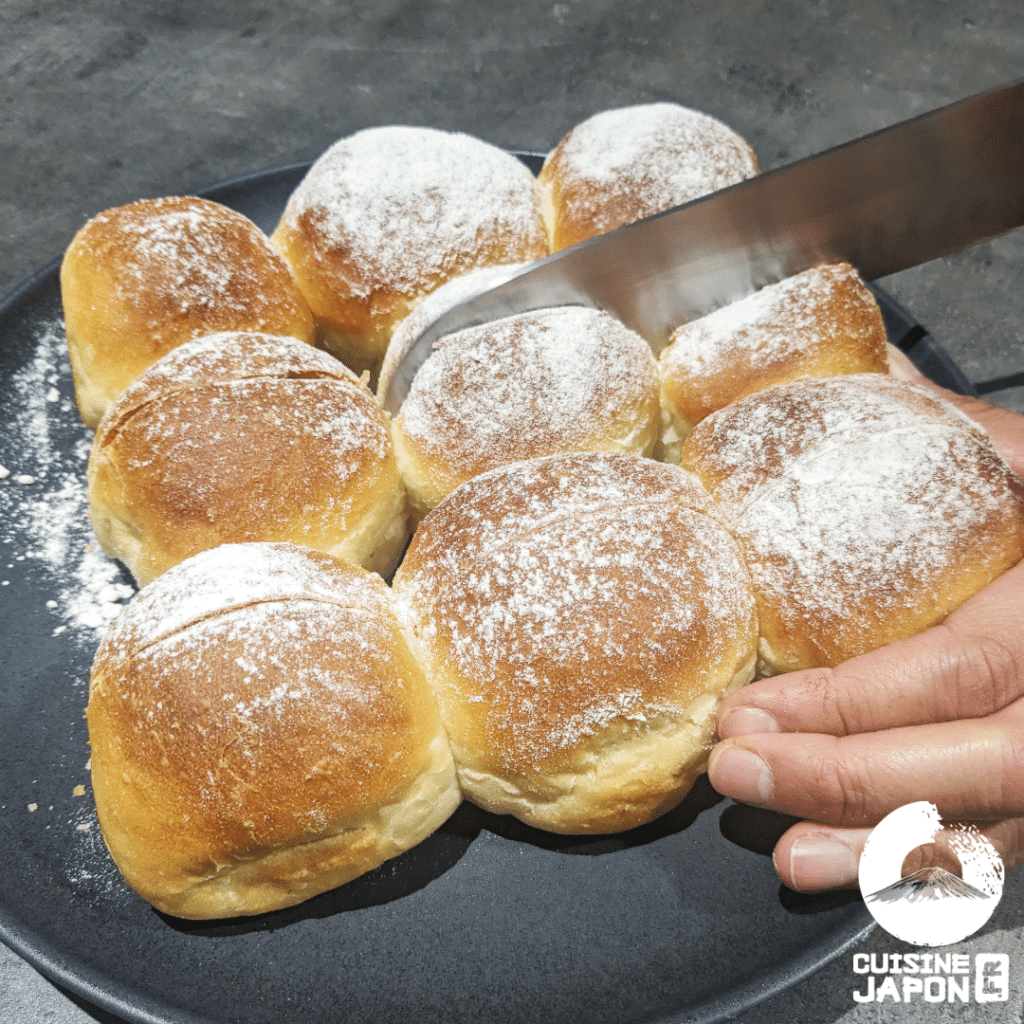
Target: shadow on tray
(759,830)
(437,854)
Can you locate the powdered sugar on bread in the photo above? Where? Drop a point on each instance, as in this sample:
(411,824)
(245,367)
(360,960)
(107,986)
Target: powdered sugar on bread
(621,165)
(235,577)
(774,324)
(668,153)
(867,509)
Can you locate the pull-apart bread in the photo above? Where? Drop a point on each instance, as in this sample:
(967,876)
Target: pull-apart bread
(261,732)
(622,165)
(387,215)
(270,720)
(580,617)
(867,509)
(540,383)
(141,279)
(819,323)
(244,437)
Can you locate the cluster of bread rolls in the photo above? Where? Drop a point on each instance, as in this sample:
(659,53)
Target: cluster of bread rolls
(603,544)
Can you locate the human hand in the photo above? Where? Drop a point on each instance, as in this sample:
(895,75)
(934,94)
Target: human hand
(938,717)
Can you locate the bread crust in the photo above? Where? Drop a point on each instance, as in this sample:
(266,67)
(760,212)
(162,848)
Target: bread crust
(867,508)
(387,215)
(540,383)
(261,732)
(818,323)
(243,437)
(580,618)
(622,165)
(139,280)
(437,303)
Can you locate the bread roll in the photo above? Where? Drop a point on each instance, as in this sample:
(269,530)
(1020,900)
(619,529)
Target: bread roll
(140,279)
(580,618)
(555,380)
(261,732)
(867,509)
(623,165)
(387,215)
(243,437)
(819,323)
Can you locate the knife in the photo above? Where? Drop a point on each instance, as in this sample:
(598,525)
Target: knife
(913,192)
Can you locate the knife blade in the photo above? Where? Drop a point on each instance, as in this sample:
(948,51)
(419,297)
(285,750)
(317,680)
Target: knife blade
(916,191)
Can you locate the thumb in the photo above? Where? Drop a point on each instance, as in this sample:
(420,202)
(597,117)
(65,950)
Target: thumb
(812,858)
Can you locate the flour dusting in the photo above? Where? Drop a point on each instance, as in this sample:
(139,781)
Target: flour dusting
(45,532)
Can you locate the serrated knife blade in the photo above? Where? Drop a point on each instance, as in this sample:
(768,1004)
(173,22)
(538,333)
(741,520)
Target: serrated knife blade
(919,190)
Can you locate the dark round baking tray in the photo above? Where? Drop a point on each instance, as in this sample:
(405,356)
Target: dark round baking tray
(682,920)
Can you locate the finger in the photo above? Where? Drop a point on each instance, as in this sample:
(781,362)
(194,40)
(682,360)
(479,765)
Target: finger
(813,858)
(971,770)
(1006,429)
(970,666)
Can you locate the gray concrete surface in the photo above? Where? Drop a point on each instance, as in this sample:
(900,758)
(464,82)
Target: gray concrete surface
(106,101)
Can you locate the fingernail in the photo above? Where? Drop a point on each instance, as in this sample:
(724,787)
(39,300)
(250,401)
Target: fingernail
(820,862)
(744,721)
(741,774)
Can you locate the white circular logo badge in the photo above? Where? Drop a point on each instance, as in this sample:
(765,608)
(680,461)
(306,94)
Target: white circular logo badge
(932,906)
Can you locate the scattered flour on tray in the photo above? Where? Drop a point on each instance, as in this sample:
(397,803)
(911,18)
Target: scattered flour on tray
(89,869)
(43,498)
(46,542)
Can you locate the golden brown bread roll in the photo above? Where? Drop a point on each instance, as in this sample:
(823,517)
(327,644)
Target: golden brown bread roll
(387,215)
(140,279)
(622,165)
(818,323)
(243,437)
(867,509)
(580,617)
(261,732)
(555,380)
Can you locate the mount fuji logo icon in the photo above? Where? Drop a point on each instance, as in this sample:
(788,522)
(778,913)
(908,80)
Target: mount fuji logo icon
(932,906)
(927,884)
